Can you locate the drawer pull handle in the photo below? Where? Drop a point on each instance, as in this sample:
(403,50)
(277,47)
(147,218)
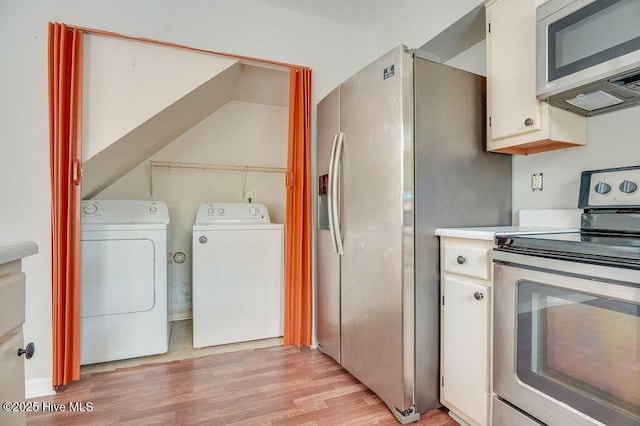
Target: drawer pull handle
(28,352)
(478,296)
(461,260)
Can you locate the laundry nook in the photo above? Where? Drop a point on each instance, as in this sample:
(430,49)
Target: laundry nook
(184,203)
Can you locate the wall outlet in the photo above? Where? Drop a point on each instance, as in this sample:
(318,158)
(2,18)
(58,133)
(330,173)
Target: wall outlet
(536,182)
(248,197)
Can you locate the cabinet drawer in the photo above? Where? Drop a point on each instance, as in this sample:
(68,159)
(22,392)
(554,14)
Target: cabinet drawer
(470,261)
(11,303)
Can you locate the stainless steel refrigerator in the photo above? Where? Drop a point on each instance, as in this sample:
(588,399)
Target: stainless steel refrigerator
(400,153)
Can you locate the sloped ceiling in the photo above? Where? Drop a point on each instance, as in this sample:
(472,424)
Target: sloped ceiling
(261,85)
(245,83)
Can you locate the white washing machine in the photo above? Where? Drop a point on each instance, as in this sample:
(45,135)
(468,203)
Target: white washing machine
(123,309)
(238,270)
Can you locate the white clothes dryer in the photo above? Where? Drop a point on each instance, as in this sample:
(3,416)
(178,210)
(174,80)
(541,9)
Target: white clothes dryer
(238,270)
(124,292)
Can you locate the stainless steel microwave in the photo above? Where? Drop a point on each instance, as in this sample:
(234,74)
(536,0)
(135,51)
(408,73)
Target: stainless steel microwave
(588,54)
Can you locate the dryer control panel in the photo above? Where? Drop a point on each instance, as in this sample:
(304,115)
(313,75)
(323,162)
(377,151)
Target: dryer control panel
(232,213)
(124,212)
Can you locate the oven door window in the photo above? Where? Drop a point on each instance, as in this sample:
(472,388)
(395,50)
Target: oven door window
(580,349)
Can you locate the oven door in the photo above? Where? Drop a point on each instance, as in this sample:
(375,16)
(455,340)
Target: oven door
(567,340)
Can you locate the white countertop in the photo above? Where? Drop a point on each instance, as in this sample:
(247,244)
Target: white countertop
(532,221)
(489,232)
(13,250)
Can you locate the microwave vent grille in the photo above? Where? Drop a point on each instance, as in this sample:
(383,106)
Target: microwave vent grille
(594,100)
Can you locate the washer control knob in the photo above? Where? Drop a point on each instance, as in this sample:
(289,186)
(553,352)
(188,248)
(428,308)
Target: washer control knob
(220,210)
(253,211)
(602,188)
(202,240)
(628,187)
(89,208)
(153,209)
(211,210)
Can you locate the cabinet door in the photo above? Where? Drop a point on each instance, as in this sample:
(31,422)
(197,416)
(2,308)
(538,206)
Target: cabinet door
(465,349)
(511,66)
(12,373)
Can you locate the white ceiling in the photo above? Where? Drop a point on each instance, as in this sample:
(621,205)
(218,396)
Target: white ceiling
(364,14)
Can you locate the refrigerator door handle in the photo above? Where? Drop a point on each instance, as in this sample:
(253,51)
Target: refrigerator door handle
(330,199)
(335,211)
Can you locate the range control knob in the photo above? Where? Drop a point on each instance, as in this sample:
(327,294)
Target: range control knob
(89,208)
(628,187)
(602,188)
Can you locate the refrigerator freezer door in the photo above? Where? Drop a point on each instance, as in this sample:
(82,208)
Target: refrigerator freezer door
(328,262)
(377,221)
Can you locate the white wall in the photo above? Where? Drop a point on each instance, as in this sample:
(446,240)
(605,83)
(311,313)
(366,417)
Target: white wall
(473,59)
(612,141)
(239,133)
(417,21)
(235,26)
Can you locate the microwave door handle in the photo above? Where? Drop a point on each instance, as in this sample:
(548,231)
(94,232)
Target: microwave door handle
(330,199)
(337,195)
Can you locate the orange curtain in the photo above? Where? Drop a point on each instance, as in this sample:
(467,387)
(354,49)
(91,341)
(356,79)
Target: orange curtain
(65,108)
(65,112)
(298,294)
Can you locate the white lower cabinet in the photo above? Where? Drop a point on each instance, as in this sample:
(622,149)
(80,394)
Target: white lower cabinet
(12,373)
(466,310)
(12,291)
(12,316)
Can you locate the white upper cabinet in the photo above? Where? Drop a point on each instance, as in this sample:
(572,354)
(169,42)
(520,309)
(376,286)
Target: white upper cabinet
(517,123)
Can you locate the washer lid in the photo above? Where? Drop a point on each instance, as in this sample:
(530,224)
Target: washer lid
(232,213)
(124,212)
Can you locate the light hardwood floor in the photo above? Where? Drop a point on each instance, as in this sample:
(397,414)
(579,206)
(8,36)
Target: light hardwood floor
(267,386)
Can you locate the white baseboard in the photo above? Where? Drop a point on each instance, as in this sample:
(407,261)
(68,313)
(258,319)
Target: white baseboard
(41,386)
(180,315)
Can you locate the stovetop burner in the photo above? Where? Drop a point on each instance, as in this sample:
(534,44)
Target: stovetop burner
(610,228)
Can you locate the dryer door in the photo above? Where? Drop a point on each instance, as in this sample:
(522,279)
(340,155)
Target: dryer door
(117,276)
